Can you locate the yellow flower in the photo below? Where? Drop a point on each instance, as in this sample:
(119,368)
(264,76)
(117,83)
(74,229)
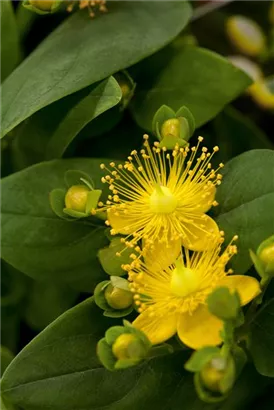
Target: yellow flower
(173,300)
(161,198)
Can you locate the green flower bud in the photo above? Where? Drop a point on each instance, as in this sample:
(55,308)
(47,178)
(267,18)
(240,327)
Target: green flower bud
(76,198)
(171,127)
(218,374)
(44,5)
(128,346)
(265,254)
(118,298)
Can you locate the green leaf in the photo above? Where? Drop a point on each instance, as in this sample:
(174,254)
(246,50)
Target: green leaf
(99,295)
(6,358)
(45,302)
(38,242)
(57,202)
(49,132)
(59,369)
(188,78)
(85,51)
(10,47)
(261,340)
(235,133)
(246,200)
(100,99)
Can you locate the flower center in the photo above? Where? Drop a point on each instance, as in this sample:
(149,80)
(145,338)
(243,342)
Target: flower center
(184,281)
(162,201)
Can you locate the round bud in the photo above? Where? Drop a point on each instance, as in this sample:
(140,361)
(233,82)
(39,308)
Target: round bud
(44,5)
(125,90)
(212,374)
(124,347)
(76,198)
(171,127)
(267,255)
(118,298)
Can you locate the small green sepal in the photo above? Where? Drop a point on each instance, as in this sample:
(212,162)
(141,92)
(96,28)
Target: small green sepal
(57,200)
(200,358)
(223,304)
(92,200)
(163,114)
(113,257)
(257,264)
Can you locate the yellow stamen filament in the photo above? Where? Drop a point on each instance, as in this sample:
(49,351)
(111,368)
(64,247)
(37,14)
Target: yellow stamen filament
(184,285)
(162,195)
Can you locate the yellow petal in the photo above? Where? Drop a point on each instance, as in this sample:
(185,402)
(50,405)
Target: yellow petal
(119,221)
(201,233)
(207,198)
(161,256)
(247,286)
(200,328)
(157,329)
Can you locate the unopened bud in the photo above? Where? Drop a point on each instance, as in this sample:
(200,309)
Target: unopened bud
(127,346)
(246,35)
(265,254)
(118,298)
(44,5)
(171,127)
(76,198)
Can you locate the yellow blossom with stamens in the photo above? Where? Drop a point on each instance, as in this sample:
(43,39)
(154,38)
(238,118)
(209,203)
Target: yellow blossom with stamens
(163,197)
(173,300)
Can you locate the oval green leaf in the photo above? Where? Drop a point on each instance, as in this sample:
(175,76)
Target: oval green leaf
(201,80)
(246,203)
(80,52)
(59,370)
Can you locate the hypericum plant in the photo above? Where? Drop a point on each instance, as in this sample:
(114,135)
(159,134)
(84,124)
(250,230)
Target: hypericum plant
(137,205)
